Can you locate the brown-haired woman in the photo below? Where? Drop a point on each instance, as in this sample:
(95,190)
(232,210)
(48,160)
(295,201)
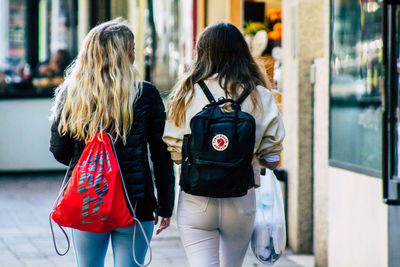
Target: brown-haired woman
(217,231)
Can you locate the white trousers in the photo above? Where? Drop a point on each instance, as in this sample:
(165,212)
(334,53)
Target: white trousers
(216,231)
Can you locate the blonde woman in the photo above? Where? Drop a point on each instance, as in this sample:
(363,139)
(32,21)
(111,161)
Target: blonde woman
(101,93)
(216,231)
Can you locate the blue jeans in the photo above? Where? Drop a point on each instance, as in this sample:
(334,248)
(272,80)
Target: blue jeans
(91,248)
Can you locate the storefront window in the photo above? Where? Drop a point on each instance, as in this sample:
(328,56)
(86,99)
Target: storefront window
(356,85)
(38,42)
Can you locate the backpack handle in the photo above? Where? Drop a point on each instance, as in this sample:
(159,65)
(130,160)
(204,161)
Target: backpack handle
(222,101)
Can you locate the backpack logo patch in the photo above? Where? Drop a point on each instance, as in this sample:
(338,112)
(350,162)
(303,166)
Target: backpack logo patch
(220,142)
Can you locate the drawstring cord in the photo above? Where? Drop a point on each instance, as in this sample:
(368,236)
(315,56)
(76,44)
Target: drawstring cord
(62,189)
(135,219)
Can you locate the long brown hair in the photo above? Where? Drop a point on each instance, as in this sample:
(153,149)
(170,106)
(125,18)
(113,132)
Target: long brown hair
(221,49)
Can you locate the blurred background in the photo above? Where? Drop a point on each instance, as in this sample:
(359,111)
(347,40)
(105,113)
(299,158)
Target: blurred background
(334,70)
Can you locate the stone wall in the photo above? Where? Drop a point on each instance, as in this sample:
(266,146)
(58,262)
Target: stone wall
(303,41)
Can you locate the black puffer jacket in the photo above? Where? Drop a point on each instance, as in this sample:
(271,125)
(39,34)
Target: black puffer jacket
(147,129)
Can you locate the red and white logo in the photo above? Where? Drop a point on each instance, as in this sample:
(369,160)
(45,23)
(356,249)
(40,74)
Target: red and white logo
(220,142)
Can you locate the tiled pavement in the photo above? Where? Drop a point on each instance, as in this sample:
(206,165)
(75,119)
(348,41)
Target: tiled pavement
(25,239)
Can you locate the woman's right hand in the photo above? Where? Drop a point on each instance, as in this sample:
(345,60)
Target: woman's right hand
(179,162)
(164,223)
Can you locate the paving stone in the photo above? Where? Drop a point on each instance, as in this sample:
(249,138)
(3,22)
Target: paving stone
(67,260)
(45,246)
(10,232)
(26,251)
(302,260)
(38,263)
(12,239)
(3,246)
(12,263)
(7,258)
(166,262)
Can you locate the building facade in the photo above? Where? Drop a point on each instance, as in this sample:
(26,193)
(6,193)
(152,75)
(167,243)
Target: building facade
(340,101)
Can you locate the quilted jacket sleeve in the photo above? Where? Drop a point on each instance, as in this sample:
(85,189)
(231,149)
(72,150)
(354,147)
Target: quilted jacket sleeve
(162,163)
(60,146)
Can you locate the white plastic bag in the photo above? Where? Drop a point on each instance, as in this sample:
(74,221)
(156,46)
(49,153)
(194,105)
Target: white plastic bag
(269,236)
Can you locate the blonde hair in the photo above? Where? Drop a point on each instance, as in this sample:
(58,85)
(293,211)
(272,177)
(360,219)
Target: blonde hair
(100,87)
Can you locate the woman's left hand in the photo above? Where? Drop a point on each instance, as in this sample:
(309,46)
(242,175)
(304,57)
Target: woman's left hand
(164,223)
(270,165)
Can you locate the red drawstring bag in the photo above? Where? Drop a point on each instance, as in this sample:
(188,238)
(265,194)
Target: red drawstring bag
(94,198)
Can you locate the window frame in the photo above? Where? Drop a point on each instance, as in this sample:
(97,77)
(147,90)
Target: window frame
(391,182)
(332,162)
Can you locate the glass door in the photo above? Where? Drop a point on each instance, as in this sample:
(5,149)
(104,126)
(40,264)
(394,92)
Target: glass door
(391,108)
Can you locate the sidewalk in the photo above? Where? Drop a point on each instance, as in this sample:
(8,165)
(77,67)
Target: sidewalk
(25,239)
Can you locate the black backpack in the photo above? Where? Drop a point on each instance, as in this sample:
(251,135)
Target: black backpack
(217,155)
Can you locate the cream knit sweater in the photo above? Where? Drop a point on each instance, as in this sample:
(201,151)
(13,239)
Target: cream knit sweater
(269,126)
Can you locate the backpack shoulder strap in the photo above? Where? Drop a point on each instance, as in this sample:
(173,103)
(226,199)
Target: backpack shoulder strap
(210,97)
(242,97)
(207,92)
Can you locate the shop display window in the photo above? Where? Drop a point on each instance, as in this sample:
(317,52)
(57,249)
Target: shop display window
(39,40)
(356,85)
